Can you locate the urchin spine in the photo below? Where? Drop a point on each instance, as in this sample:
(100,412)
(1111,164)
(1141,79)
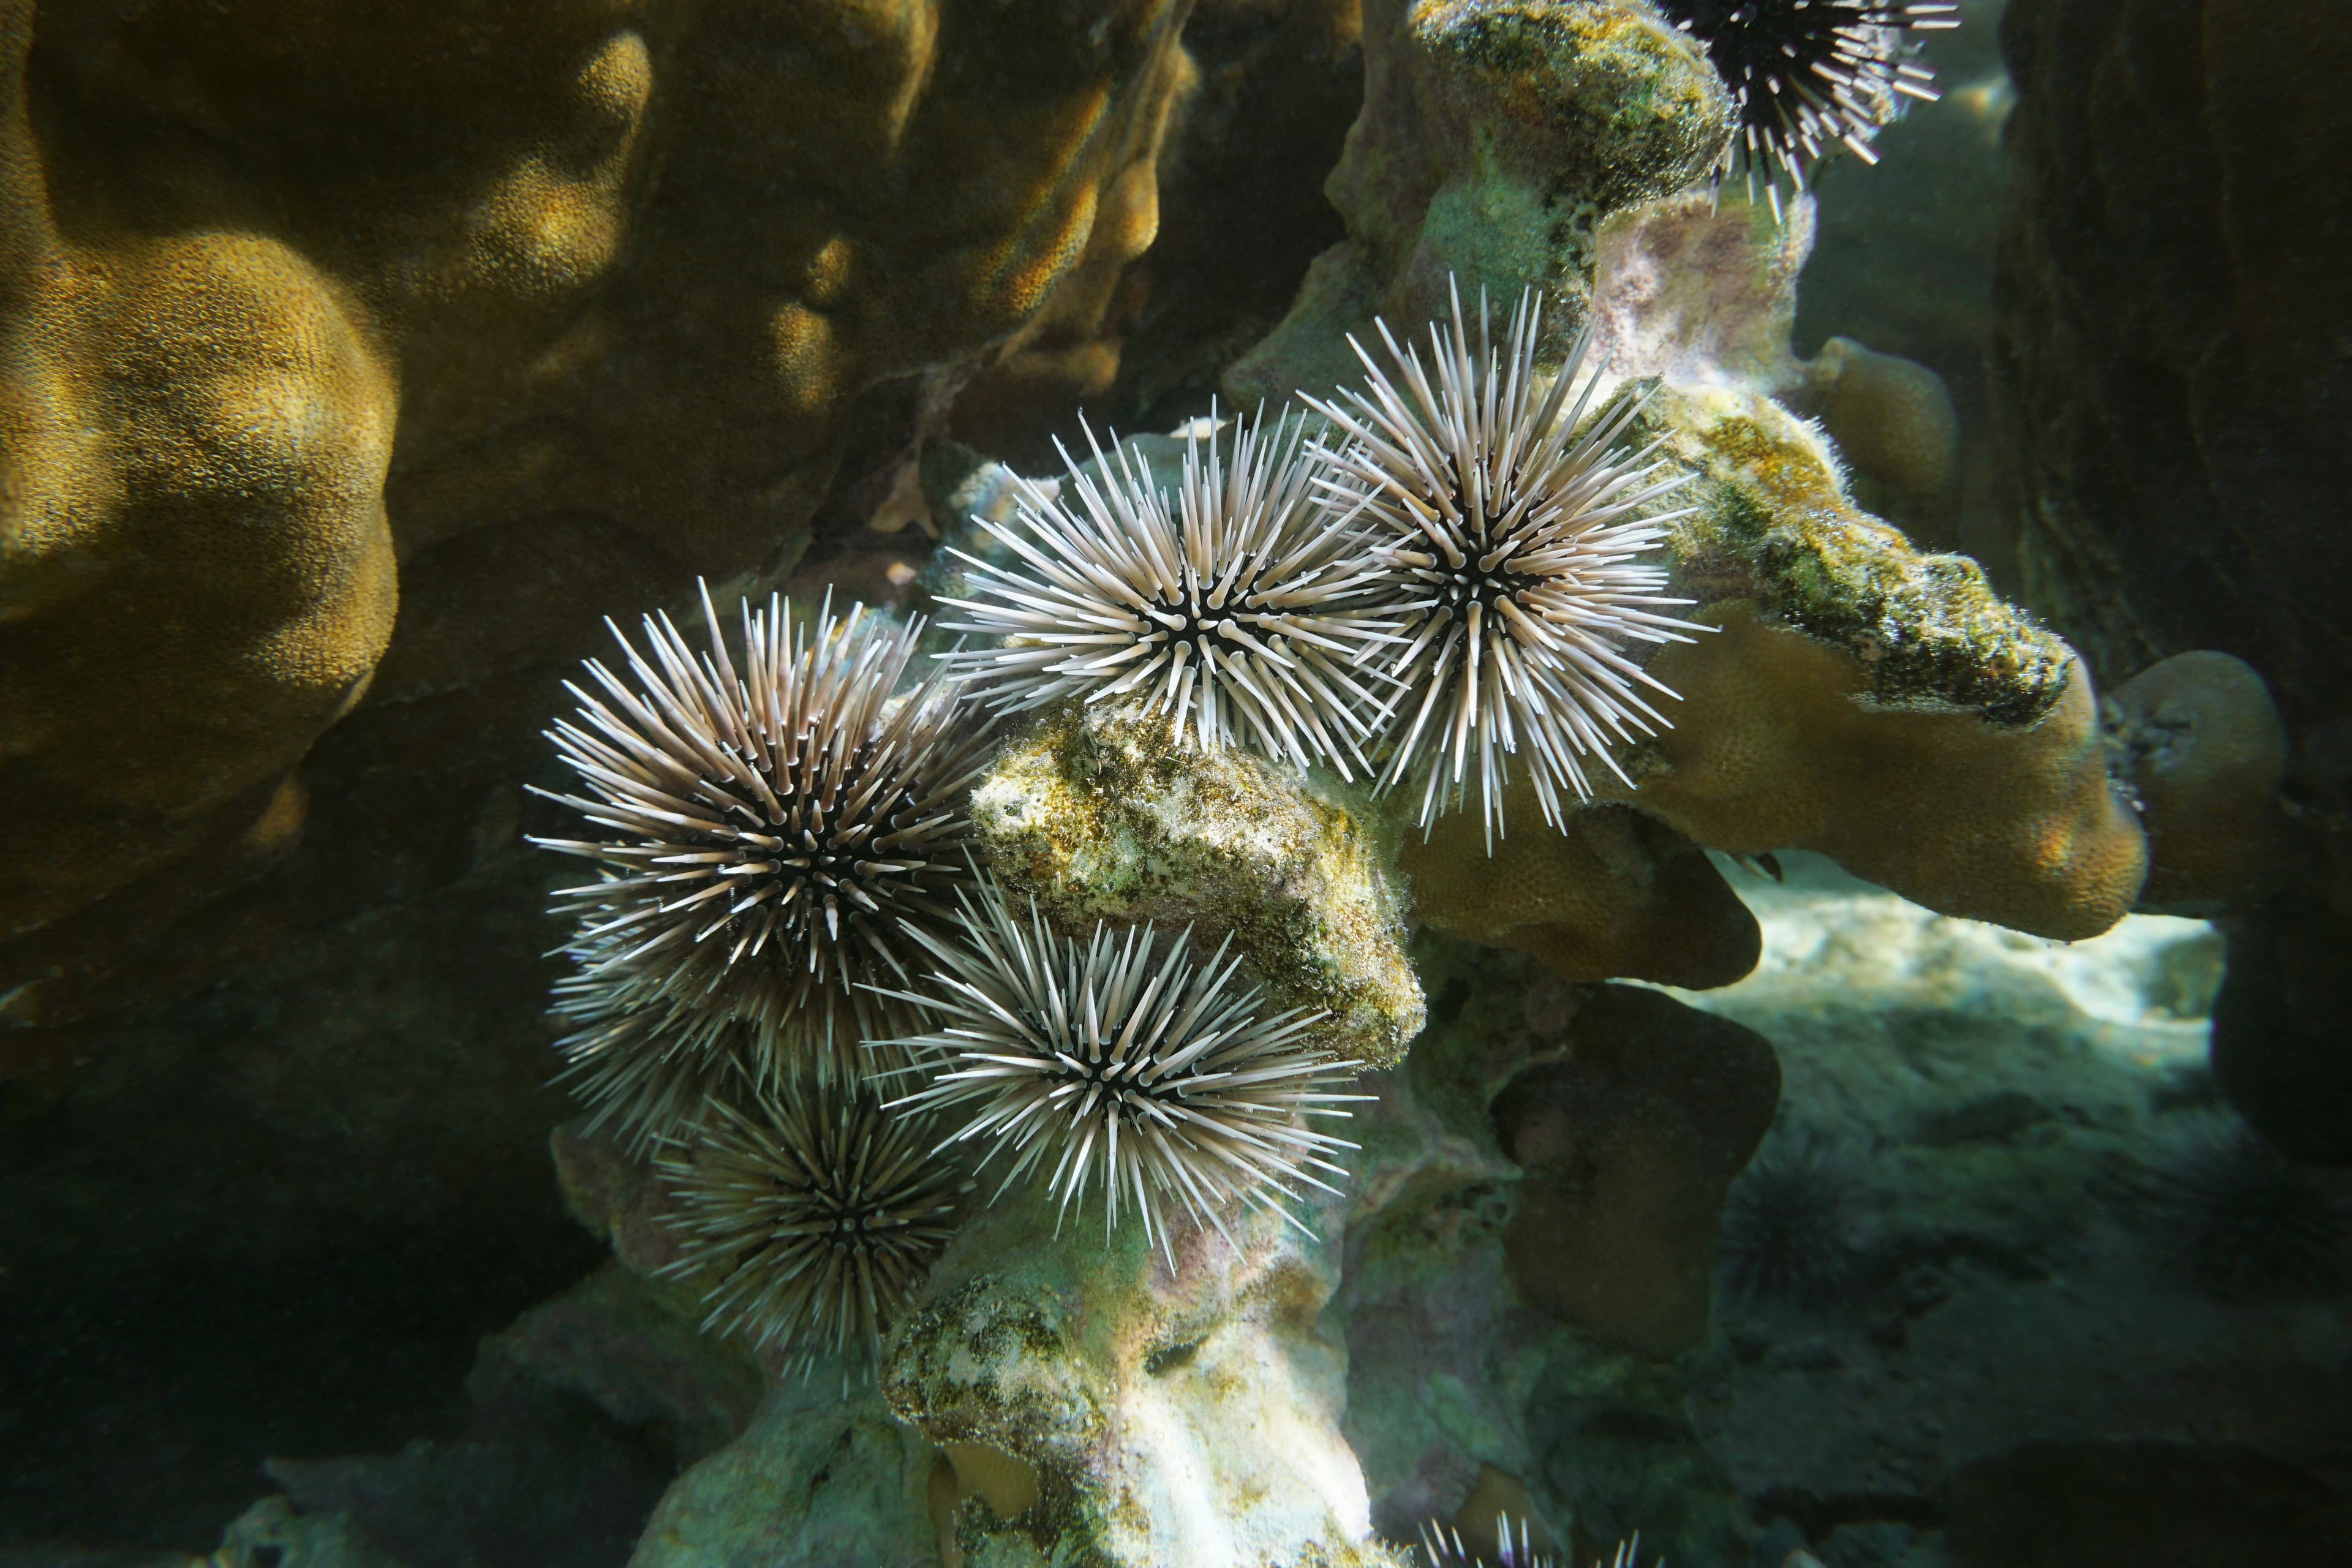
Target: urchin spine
(1121,1063)
(769,832)
(1235,610)
(815,1214)
(1811,76)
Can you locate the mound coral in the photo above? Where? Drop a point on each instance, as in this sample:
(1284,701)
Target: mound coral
(2199,742)
(315,311)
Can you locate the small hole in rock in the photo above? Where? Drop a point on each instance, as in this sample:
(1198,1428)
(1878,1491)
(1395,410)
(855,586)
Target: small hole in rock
(1168,1358)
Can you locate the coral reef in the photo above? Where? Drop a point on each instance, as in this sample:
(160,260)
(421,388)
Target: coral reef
(1097,815)
(1493,141)
(549,308)
(1119,1385)
(1183,909)
(2170,287)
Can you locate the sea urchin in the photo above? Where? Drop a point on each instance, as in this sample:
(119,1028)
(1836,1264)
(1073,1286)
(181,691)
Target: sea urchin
(1235,608)
(770,836)
(818,1212)
(1119,1060)
(1513,544)
(1810,75)
(2241,1221)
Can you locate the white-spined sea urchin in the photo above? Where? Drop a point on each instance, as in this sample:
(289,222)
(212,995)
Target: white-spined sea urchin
(1119,1060)
(1810,75)
(1236,609)
(644,1070)
(1514,546)
(818,1212)
(770,832)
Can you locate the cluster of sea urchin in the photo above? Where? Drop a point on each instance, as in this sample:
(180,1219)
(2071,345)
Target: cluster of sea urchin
(817,1212)
(1449,580)
(1810,75)
(1118,1061)
(1236,609)
(772,832)
(1514,546)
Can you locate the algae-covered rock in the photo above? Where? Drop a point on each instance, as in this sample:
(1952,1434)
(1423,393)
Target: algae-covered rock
(818,1477)
(1496,138)
(1103,1405)
(1102,815)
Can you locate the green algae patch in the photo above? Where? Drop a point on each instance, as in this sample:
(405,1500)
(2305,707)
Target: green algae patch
(1773,524)
(1100,814)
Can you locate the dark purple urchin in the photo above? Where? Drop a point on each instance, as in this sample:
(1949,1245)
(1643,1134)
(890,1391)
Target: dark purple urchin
(1790,1226)
(1811,76)
(2240,1221)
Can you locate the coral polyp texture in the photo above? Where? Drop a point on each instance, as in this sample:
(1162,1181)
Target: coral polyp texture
(816,1213)
(1120,1061)
(1513,532)
(1234,606)
(1811,76)
(770,834)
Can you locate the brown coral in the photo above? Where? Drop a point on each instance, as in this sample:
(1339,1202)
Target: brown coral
(293,291)
(1613,893)
(1629,1140)
(2201,743)
(1880,705)
(1861,698)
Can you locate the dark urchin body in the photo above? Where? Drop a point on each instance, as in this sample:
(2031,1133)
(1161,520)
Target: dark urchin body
(2241,1221)
(768,835)
(1810,75)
